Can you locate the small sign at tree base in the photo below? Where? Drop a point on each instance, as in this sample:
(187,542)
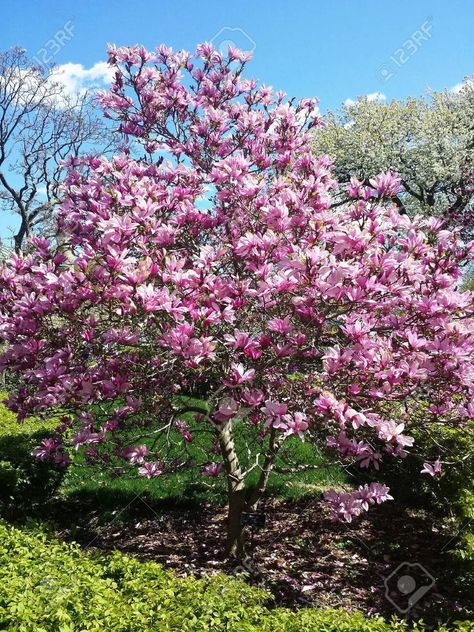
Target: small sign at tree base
(255,519)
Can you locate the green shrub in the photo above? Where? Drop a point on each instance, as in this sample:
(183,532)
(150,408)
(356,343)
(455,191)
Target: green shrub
(24,480)
(47,586)
(452,494)
(9,424)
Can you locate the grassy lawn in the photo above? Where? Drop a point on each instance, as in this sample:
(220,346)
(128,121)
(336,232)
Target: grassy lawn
(187,485)
(93,485)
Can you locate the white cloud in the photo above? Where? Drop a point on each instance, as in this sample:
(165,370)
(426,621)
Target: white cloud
(376,96)
(372,96)
(469,81)
(72,80)
(75,79)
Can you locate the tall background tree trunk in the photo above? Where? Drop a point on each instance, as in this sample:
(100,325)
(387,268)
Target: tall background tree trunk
(22,234)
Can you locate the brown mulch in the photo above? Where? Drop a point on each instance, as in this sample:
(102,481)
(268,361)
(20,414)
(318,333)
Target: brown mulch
(301,557)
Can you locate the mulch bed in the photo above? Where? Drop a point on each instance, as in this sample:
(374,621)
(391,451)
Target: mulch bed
(301,557)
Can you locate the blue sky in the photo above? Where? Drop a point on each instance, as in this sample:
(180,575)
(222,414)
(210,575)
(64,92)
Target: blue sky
(331,49)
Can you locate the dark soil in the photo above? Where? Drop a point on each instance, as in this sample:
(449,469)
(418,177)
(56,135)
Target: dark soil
(301,557)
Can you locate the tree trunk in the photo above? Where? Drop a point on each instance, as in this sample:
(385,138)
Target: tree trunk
(236,536)
(239,499)
(267,467)
(22,234)
(236,493)
(64,246)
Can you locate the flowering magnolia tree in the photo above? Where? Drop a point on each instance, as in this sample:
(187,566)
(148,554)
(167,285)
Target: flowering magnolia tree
(210,276)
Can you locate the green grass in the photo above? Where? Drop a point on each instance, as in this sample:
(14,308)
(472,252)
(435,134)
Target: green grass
(95,489)
(188,485)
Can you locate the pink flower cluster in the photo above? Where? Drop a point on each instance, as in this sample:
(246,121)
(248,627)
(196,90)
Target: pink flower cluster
(347,505)
(51,450)
(348,420)
(276,416)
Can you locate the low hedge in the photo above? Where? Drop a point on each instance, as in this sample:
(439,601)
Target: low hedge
(48,586)
(451,495)
(24,480)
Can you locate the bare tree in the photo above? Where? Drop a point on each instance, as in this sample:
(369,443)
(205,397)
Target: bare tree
(40,125)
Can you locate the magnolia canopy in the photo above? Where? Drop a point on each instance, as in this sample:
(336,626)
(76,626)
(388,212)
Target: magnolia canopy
(211,265)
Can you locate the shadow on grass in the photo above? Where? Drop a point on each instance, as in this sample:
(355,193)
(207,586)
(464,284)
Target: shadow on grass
(102,505)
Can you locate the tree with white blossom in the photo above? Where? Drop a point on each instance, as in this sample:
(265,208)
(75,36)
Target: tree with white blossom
(428,141)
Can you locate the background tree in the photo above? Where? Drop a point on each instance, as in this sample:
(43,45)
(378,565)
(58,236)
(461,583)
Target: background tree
(211,291)
(40,125)
(428,141)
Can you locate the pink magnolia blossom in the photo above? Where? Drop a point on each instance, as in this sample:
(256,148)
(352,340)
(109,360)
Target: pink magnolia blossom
(150,470)
(280,325)
(228,408)
(84,437)
(274,413)
(52,450)
(387,184)
(252,397)
(136,454)
(239,375)
(354,189)
(296,424)
(433,469)
(213,469)
(214,267)
(46,449)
